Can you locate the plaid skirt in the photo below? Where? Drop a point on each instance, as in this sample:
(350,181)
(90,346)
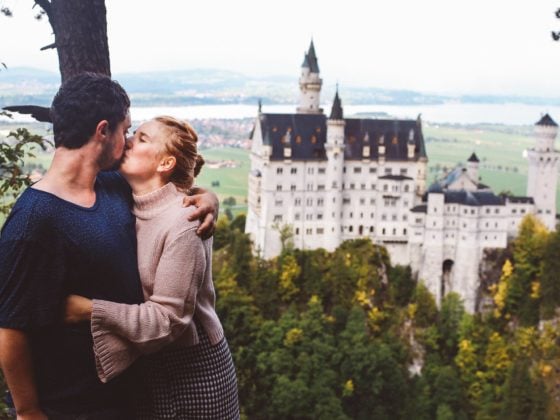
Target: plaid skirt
(196,382)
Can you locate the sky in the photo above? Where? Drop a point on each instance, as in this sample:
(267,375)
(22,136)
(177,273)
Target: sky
(498,47)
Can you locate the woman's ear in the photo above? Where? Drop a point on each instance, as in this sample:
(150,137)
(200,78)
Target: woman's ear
(166,164)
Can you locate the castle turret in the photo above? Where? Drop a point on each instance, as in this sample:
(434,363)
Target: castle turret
(334,148)
(472,167)
(543,170)
(310,84)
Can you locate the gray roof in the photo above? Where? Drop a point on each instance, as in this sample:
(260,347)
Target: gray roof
(473,158)
(306,134)
(312,59)
(473,198)
(547,120)
(521,200)
(336,111)
(422,208)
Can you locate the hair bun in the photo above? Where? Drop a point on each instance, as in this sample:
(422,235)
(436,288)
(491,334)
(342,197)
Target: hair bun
(198,164)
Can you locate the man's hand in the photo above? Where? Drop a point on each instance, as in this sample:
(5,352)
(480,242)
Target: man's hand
(34,414)
(78,308)
(17,365)
(207,207)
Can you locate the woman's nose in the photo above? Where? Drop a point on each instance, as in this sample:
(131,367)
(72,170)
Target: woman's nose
(128,142)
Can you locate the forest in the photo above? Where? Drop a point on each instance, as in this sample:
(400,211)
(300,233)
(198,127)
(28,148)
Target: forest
(347,335)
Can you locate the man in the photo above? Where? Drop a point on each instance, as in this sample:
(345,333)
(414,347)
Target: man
(71,232)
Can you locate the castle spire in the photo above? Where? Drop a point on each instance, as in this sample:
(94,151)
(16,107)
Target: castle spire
(311,58)
(336,110)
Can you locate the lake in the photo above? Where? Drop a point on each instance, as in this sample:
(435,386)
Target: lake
(461,113)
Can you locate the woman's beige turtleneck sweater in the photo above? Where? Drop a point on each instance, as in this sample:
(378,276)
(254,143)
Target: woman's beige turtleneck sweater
(175,267)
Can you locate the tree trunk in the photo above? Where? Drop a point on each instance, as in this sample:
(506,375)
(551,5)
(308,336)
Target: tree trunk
(80,30)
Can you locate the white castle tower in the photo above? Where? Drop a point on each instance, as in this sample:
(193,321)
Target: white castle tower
(543,171)
(334,148)
(310,84)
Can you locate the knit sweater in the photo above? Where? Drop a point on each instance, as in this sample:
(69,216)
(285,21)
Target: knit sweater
(176,272)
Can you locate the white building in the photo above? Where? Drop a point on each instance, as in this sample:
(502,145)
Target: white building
(333,178)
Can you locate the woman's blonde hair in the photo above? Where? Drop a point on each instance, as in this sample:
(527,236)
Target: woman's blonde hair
(181,144)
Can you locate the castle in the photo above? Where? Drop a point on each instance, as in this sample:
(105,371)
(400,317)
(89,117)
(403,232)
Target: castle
(330,179)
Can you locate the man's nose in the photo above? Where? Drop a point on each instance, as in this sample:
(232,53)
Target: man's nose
(128,142)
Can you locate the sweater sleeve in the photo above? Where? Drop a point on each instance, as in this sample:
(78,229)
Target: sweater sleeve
(122,332)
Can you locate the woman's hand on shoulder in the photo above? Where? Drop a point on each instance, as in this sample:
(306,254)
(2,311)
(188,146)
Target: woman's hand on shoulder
(78,309)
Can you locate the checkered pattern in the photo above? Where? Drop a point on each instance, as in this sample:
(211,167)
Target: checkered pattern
(195,382)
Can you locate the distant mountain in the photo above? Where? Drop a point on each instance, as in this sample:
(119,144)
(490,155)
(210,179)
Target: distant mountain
(22,85)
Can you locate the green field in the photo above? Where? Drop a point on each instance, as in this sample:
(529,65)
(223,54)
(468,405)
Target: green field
(499,148)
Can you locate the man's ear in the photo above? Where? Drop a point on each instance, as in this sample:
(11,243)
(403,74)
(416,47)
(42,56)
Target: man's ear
(166,164)
(102,128)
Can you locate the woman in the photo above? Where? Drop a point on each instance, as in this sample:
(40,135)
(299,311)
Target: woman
(192,374)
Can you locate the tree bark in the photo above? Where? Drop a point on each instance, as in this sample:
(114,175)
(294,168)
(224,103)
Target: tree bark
(80,31)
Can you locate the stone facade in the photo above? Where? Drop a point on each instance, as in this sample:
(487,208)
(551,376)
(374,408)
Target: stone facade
(331,179)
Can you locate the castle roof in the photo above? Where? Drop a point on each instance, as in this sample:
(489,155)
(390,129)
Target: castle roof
(422,208)
(396,177)
(547,120)
(520,200)
(472,198)
(336,111)
(473,158)
(306,134)
(311,58)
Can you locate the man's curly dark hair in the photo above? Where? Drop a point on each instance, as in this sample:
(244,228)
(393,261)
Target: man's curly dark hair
(81,103)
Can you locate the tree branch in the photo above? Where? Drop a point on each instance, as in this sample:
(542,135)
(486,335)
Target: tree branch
(46,47)
(46,6)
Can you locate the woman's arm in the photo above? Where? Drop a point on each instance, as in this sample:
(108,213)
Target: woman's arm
(150,326)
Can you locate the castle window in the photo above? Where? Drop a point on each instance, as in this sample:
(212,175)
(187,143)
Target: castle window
(496,224)
(372,201)
(362,201)
(363,186)
(514,211)
(404,231)
(321,170)
(394,217)
(404,171)
(320,187)
(309,202)
(319,201)
(358,170)
(406,188)
(320,216)
(371,229)
(310,171)
(279,171)
(383,217)
(345,201)
(497,211)
(383,231)
(297,231)
(334,184)
(293,171)
(309,187)
(344,169)
(308,231)
(308,217)
(388,171)
(279,187)
(373,186)
(351,228)
(385,187)
(277,217)
(394,231)
(522,211)
(418,220)
(292,187)
(320,231)
(405,217)
(352,186)
(472,211)
(372,170)
(361,215)
(297,202)
(487,211)
(278,203)
(351,215)
(297,216)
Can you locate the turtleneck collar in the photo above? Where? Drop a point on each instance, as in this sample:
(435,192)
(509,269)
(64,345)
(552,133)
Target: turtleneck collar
(149,205)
